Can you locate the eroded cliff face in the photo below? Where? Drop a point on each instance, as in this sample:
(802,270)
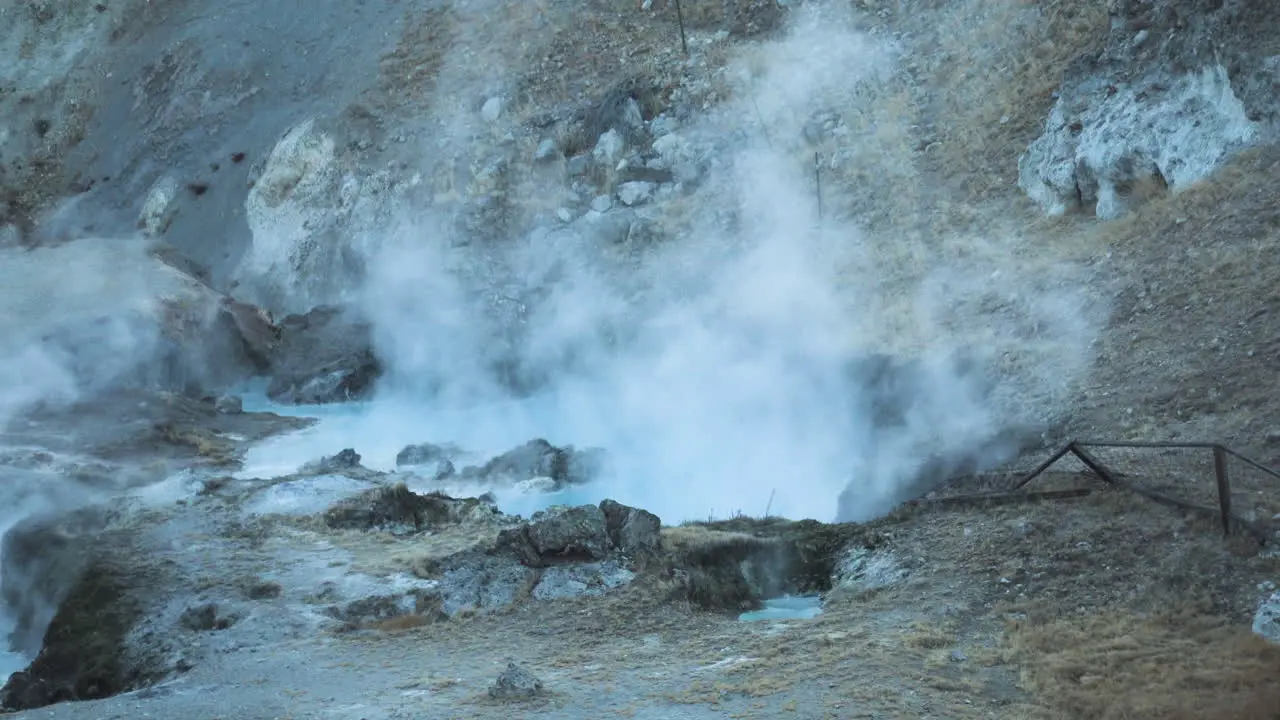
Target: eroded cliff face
(1179,87)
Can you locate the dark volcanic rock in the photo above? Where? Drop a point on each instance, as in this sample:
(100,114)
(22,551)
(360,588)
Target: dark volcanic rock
(42,559)
(536,458)
(205,617)
(539,458)
(632,530)
(401,511)
(735,564)
(559,534)
(84,655)
(345,461)
(322,357)
(426,453)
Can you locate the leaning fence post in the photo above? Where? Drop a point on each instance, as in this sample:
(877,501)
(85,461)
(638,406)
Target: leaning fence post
(684,44)
(1224,487)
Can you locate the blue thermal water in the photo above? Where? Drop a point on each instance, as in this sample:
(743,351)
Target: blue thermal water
(378,430)
(799,607)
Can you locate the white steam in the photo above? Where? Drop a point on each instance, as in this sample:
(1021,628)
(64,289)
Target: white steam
(76,320)
(717,371)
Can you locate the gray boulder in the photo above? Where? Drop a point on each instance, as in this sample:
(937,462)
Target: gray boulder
(559,534)
(584,580)
(539,458)
(516,683)
(426,454)
(323,356)
(345,461)
(400,511)
(480,582)
(636,192)
(632,530)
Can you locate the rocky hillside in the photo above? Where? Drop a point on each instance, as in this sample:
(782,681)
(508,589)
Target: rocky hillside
(289,172)
(819,256)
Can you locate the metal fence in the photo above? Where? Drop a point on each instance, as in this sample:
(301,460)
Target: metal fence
(1207,478)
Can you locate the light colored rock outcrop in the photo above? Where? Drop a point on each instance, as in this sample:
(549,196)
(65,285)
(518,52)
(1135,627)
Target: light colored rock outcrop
(1266,622)
(311,212)
(1099,148)
(1175,92)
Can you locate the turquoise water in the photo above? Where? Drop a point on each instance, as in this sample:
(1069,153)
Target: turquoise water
(680,459)
(378,430)
(801,607)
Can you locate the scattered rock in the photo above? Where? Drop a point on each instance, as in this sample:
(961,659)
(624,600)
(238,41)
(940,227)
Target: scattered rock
(492,109)
(602,203)
(205,618)
(636,192)
(536,485)
(609,148)
(547,150)
(479,582)
(515,683)
(1145,115)
(663,125)
(401,511)
(733,565)
(577,166)
(444,470)
(681,157)
(1266,622)
(366,611)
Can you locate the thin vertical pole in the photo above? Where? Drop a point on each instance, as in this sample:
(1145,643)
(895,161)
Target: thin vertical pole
(684,44)
(817,181)
(1224,487)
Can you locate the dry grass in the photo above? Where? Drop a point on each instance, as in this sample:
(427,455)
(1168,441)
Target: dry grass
(996,78)
(1124,666)
(928,637)
(1191,318)
(399,624)
(699,538)
(205,443)
(408,72)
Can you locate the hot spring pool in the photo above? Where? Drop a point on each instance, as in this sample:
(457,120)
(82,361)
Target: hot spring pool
(680,464)
(800,607)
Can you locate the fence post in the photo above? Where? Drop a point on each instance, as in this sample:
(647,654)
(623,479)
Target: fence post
(1224,487)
